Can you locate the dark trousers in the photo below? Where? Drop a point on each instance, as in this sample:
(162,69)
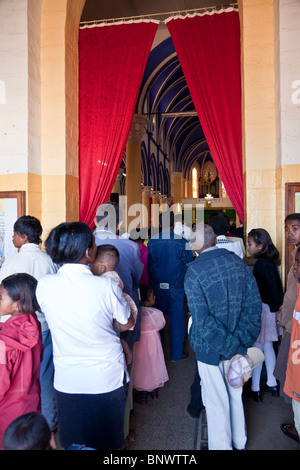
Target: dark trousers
(95,421)
(196,404)
(171,302)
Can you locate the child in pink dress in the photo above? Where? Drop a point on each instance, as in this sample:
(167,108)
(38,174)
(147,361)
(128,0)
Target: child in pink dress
(149,368)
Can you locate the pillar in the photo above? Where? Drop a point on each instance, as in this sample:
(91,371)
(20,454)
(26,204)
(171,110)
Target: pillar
(155,203)
(59,110)
(258,118)
(189,184)
(177,191)
(20,166)
(146,206)
(116,187)
(133,166)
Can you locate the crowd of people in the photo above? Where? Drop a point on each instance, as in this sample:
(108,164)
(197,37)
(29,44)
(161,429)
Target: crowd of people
(82,328)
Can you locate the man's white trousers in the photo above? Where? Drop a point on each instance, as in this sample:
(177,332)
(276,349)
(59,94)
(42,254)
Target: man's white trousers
(224,408)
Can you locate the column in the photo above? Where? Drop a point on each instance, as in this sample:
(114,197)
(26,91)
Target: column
(116,187)
(155,209)
(177,191)
(146,205)
(133,167)
(59,110)
(259,116)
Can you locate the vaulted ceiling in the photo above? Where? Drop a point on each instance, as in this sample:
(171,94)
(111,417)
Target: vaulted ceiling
(164,94)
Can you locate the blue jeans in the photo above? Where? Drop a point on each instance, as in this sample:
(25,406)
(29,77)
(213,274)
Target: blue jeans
(171,301)
(48,401)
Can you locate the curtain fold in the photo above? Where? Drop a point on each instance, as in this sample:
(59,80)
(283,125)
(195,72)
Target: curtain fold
(208,48)
(112,59)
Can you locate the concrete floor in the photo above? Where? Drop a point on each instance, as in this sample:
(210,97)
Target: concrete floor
(165,424)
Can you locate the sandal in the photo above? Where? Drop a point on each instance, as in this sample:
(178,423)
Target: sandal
(286,429)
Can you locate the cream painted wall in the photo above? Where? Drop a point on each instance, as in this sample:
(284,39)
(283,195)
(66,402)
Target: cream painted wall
(287,68)
(259,120)
(39,112)
(289,78)
(271,125)
(59,95)
(14,75)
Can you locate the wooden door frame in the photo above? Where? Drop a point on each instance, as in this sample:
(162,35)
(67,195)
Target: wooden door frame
(290,190)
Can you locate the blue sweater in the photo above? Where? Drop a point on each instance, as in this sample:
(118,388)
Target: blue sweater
(225,305)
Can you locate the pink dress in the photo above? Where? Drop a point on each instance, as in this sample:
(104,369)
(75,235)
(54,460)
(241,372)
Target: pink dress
(149,367)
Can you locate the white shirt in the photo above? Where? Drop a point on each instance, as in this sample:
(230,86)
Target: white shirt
(31,260)
(80,308)
(235,247)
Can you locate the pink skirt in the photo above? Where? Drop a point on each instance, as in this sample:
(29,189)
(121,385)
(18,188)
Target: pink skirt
(269,329)
(149,367)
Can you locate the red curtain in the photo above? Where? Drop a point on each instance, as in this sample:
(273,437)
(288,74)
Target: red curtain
(208,48)
(112,60)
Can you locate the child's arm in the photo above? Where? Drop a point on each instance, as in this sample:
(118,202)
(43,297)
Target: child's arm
(127,352)
(127,325)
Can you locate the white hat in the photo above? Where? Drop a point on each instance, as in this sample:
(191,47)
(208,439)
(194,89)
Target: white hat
(239,369)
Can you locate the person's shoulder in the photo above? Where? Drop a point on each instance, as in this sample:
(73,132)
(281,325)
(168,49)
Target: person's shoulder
(10,260)
(128,246)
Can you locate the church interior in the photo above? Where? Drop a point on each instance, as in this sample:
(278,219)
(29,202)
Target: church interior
(172,163)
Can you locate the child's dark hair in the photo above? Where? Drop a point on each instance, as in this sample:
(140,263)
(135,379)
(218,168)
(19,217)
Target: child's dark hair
(109,251)
(295,216)
(109,212)
(269,250)
(145,292)
(29,431)
(219,222)
(30,226)
(21,288)
(68,242)
(167,219)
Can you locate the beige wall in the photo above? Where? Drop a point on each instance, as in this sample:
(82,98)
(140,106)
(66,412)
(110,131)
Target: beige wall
(59,96)
(258,100)
(39,112)
(271,126)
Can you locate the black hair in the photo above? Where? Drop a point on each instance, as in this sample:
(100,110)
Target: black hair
(219,223)
(145,292)
(167,219)
(295,216)
(68,242)
(109,251)
(269,250)
(30,226)
(29,431)
(109,212)
(21,288)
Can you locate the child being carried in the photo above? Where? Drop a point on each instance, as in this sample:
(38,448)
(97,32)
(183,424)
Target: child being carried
(105,263)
